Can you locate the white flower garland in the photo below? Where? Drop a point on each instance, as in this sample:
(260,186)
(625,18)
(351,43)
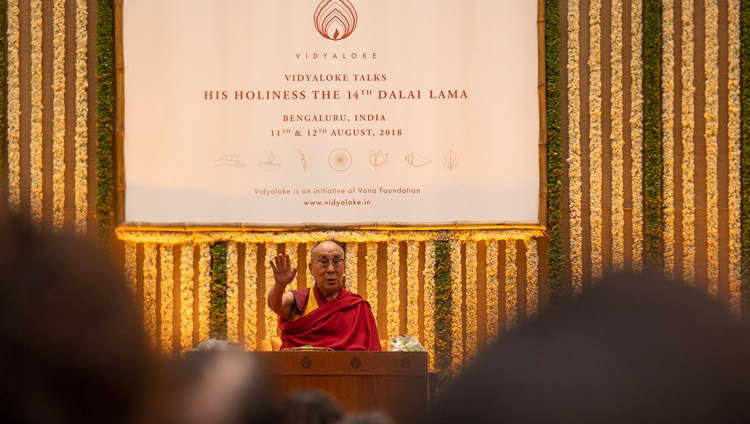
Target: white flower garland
(688,142)
(204,292)
(82,111)
(511,286)
(187,289)
(58,116)
(251,297)
(166,293)
(711,67)
(493,292)
(149,290)
(471,299)
(457,321)
(131,266)
(735,163)
(14,107)
(36,145)
(429,301)
(291,250)
(393,293)
(574,147)
(272,326)
(233,299)
(636,133)
(617,139)
(351,270)
(595,137)
(372,277)
(412,289)
(532,280)
(668,136)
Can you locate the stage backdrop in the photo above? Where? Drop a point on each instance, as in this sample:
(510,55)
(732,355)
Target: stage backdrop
(317,112)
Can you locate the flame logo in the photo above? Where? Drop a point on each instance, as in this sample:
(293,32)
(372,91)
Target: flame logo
(335,19)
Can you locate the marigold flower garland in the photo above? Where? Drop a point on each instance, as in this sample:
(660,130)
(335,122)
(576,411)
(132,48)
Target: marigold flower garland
(36,143)
(688,142)
(711,67)
(251,297)
(511,286)
(14,107)
(82,110)
(735,167)
(574,147)
(595,137)
(668,136)
(187,289)
(636,133)
(58,115)
(617,139)
(166,293)
(149,290)
(493,292)
(233,300)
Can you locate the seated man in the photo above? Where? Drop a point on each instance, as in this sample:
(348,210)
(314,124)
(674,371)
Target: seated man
(326,315)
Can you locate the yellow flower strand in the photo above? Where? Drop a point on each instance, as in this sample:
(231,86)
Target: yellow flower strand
(532,280)
(272,326)
(429,301)
(735,167)
(351,269)
(574,147)
(82,111)
(471,299)
(36,144)
(688,143)
(251,298)
(711,67)
(131,266)
(149,290)
(636,133)
(58,116)
(493,292)
(204,292)
(187,288)
(617,140)
(291,250)
(14,107)
(233,300)
(310,280)
(511,286)
(394,289)
(595,137)
(412,289)
(166,290)
(457,321)
(372,277)
(668,139)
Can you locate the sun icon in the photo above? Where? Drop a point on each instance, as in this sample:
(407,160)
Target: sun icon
(340,160)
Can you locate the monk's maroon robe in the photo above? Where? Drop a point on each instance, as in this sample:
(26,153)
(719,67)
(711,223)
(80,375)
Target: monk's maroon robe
(344,323)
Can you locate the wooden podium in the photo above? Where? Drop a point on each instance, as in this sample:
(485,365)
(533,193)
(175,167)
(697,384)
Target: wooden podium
(395,382)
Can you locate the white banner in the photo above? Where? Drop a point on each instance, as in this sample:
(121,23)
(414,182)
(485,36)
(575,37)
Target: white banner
(331,112)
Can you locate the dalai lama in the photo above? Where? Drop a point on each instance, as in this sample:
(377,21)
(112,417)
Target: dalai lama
(325,315)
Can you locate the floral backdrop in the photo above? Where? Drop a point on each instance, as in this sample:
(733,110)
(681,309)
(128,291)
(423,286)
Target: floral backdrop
(647,134)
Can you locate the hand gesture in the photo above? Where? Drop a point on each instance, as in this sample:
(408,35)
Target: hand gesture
(283,271)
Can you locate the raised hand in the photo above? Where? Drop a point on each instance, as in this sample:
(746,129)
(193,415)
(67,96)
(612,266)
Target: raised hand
(283,271)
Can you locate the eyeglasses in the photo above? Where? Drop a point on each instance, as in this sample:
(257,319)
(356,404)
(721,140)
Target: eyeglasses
(323,262)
